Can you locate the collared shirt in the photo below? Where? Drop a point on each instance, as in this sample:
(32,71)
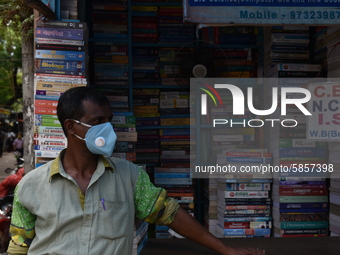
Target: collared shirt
(51,215)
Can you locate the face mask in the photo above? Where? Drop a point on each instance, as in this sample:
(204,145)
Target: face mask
(100,139)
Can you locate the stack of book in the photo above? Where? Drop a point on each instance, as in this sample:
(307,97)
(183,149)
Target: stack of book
(332,40)
(288,44)
(231,35)
(124,124)
(146,110)
(293,70)
(118,98)
(109,19)
(334,196)
(110,64)
(174,172)
(177,181)
(140,236)
(60,64)
(144,24)
(171,27)
(110,59)
(244,204)
(320,46)
(171,59)
(210,219)
(300,196)
(326,50)
(68,9)
(145,67)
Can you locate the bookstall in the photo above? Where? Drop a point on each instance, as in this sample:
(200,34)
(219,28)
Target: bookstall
(142,55)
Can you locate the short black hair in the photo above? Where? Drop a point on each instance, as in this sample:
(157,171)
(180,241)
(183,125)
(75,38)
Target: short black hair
(70,104)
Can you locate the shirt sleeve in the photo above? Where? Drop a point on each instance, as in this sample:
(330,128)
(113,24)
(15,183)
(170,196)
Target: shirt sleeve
(22,227)
(153,204)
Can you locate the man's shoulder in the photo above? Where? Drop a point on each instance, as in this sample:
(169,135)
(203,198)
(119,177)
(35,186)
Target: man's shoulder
(37,175)
(124,165)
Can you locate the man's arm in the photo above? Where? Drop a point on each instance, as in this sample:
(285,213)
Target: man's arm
(185,225)
(22,227)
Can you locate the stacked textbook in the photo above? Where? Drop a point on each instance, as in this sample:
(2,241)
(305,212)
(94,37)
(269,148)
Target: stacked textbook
(300,197)
(60,64)
(244,204)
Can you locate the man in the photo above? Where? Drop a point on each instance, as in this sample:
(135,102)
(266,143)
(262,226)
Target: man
(2,140)
(18,146)
(84,202)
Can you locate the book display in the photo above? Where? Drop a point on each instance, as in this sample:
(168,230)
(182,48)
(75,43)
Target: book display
(244,204)
(60,63)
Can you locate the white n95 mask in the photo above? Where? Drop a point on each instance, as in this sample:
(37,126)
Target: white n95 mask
(100,139)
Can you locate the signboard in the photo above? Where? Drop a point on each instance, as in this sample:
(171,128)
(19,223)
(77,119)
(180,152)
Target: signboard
(263,12)
(324,105)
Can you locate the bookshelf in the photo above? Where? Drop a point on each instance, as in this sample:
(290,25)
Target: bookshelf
(152,36)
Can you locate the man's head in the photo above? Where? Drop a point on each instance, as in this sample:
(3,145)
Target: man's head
(71,103)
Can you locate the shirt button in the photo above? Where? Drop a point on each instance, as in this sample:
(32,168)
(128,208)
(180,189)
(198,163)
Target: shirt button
(84,244)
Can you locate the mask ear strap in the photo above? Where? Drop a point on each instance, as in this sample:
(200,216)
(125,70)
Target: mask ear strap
(79,137)
(81,123)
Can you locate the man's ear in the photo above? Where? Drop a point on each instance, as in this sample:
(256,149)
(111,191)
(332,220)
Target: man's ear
(69,126)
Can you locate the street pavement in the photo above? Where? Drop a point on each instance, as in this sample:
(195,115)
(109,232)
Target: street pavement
(7,160)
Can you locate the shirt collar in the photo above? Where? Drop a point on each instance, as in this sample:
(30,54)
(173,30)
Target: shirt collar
(55,166)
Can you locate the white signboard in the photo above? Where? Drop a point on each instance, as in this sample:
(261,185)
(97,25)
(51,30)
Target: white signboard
(263,12)
(324,105)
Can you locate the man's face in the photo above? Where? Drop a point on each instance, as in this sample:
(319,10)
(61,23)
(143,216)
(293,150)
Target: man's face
(94,115)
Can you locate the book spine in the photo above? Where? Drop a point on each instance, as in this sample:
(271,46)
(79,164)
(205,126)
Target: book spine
(46,97)
(317,231)
(76,66)
(59,41)
(57,47)
(304,225)
(267,160)
(48,130)
(303,192)
(302,199)
(247,207)
(60,55)
(62,24)
(56,86)
(248,219)
(172,175)
(249,231)
(304,206)
(303,152)
(187,181)
(247,186)
(60,33)
(246,194)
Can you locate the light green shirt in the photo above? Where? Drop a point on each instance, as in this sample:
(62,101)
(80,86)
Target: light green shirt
(52,216)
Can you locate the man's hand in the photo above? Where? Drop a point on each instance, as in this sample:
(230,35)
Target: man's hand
(187,226)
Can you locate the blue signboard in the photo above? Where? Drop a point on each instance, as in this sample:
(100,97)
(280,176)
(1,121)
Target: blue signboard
(263,12)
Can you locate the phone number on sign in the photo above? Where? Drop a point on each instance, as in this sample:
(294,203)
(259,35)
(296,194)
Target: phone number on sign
(315,14)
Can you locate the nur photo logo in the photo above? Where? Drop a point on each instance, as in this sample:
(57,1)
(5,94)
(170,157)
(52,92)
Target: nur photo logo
(240,103)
